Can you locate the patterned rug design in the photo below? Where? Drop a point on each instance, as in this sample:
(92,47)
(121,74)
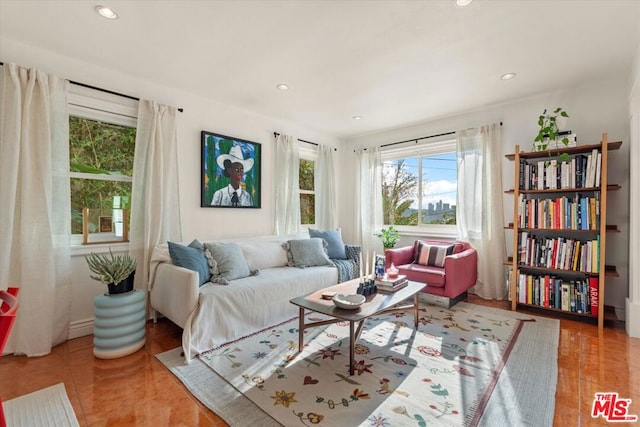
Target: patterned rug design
(442,374)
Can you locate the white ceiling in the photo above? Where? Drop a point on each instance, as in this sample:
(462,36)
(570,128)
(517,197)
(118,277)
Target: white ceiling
(391,62)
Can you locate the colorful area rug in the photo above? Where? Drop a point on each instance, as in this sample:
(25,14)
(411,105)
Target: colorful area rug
(463,366)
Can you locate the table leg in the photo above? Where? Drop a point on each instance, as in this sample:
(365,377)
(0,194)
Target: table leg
(416,309)
(301,330)
(352,344)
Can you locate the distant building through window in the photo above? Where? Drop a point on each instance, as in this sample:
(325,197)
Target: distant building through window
(420,190)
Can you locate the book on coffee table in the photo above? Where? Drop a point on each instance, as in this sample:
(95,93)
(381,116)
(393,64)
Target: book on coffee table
(392,288)
(388,281)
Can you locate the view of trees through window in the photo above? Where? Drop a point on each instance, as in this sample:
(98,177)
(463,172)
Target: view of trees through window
(307,192)
(420,190)
(101,162)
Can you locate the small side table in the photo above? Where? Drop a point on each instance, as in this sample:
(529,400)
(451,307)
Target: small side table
(119,324)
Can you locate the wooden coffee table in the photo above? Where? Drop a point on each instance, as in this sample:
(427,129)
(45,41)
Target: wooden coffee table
(375,304)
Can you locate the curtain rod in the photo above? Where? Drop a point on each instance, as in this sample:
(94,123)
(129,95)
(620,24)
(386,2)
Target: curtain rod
(105,90)
(418,139)
(276,134)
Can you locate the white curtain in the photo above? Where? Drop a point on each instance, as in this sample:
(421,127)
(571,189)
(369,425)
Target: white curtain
(35,218)
(155,198)
(368,196)
(287,187)
(325,186)
(479,214)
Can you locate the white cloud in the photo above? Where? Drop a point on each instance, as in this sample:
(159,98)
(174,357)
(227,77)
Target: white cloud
(440,190)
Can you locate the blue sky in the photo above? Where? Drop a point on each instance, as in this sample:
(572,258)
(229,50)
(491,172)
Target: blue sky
(440,175)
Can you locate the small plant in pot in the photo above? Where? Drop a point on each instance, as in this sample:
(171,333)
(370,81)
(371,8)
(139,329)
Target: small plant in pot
(389,237)
(115,271)
(549,131)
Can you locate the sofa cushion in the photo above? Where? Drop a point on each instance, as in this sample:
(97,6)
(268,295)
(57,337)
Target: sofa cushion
(429,254)
(191,257)
(307,252)
(263,254)
(230,261)
(335,245)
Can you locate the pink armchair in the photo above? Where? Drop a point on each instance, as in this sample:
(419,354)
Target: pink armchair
(459,273)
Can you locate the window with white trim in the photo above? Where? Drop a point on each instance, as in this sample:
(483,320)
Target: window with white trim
(419,185)
(306,176)
(102,133)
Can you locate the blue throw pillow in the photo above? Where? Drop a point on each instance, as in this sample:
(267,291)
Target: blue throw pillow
(335,245)
(191,257)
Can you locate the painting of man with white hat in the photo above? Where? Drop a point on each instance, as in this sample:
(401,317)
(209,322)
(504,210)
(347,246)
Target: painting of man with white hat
(232,179)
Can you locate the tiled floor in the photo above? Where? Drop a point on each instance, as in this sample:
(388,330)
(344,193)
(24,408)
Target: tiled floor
(139,391)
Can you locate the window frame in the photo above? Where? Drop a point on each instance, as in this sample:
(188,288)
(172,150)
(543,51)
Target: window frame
(417,149)
(311,154)
(93,104)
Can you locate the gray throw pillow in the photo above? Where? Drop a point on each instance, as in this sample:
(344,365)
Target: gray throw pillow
(307,252)
(230,262)
(335,245)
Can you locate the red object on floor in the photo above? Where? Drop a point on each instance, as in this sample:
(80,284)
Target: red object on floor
(8,310)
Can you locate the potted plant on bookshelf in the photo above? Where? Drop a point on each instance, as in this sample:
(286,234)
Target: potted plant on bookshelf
(115,271)
(389,237)
(550,125)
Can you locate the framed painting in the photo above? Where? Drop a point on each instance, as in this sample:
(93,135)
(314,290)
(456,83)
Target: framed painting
(230,172)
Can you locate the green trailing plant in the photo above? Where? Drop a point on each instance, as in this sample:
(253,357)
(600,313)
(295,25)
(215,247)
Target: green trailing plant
(548,130)
(110,269)
(389,237)
(548,123)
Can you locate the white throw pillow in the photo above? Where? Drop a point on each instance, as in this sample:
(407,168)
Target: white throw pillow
(261,255)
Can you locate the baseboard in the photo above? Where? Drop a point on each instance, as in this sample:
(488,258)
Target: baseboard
(80,328)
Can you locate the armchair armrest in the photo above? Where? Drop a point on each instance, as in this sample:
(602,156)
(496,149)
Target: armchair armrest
(461,270)
(398,256)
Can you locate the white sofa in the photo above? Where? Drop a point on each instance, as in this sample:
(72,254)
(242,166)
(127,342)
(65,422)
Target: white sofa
(214,314)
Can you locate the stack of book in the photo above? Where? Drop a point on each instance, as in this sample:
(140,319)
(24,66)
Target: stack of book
(387,284)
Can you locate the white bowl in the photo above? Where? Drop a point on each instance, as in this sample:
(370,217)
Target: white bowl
(348,302)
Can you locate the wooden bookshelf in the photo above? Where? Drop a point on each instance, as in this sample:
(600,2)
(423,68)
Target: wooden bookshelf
(594,235)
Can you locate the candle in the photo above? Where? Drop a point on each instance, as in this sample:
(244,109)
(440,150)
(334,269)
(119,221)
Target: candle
(361,266)
(366,270)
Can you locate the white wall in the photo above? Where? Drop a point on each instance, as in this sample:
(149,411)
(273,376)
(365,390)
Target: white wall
(600,106)
(201,112)
(632,310)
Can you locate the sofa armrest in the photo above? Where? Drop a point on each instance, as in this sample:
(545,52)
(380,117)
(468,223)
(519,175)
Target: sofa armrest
(175,292)
(353,254)
(398,256)
(461,270)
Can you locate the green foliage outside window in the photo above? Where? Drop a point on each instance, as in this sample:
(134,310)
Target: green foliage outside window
(102,149)
(306,177)
(398,188)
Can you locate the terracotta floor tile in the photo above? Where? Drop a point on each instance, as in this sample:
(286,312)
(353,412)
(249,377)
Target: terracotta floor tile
(137,390)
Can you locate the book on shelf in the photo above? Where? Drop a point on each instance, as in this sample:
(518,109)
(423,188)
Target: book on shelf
(392,288)
(389,281)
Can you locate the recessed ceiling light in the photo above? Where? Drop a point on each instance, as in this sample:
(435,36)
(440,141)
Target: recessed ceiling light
(463,3)
(508,76)
(356,117)
(283,86)
(106,12)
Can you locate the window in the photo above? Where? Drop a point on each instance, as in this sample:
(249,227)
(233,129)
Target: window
(419,187)
(306,175)
(307,192)
(102,133)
